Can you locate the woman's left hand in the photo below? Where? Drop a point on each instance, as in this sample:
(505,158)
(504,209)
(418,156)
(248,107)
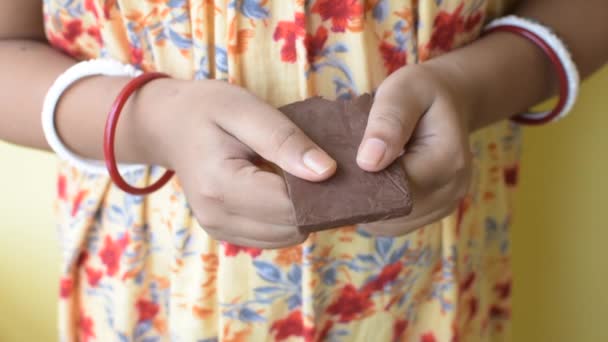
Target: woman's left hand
(426,111)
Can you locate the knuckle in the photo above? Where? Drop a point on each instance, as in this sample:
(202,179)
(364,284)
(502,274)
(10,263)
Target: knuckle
(213,234)
(209,218)
(287,236)
(281,137)
(391,120)
(211,191)
(457,157)
(294,240)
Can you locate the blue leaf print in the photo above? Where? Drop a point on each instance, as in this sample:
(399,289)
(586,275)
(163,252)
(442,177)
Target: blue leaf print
(308,249)
(253,9)
(380,10)
(341,332)
(248,315)
(367,258)
(383,245)
(491,225)
(122,337)
(142,328)
(212,339)
(151,339)
(267,289)
(398,254)
(221,59)
(295,274)
(179,41)
(267,271)
(294,301)
(363,233)
(116,209)
(504,246)
(329,276)
(400,37)
(176,3)
(340,47)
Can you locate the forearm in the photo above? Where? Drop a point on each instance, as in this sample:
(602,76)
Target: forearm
(28,68)
(508,74)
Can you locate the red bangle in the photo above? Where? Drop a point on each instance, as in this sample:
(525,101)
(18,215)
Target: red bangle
(557,64)
(110,132)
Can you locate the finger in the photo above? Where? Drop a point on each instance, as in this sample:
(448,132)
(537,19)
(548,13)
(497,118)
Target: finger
(244,231)
(402,227)
(273,136)
(397,107)
(231,180)
(252,192)
(434,160)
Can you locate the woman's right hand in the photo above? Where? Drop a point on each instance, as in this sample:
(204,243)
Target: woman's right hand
(210,133)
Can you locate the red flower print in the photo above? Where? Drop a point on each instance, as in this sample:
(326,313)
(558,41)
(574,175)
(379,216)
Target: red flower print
(428,337)
(466,284)
(137,55)
(65,287)
(445,28)
(351,304)
(94,32)
(292,325)
(89,5)
(289,31)
(111,252)
(472,21)
(72,30)
(85,327)
(398,329)
(339,11)
(473,307)
(82,258)
(463,207)
(146,309)
(233,250)
(325,331)
(61,187)
(64,40)
(93,276)
(511,175)
(315,44)
(77,201)
(503,289)
(388,274)
(393,57)
(107,7)
(496,311)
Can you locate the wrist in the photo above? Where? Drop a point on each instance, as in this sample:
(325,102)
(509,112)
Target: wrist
(458,86)
(153,122)
(497,77)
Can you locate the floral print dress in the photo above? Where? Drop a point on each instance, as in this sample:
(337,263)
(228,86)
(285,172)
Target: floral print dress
(141,268)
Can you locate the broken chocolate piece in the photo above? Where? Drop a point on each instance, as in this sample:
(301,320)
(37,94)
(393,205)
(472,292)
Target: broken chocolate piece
(352,195)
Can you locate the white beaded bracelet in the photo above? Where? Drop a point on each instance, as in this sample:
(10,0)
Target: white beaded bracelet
(557,51)
(78,71)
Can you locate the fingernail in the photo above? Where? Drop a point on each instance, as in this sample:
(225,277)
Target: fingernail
(318,161)
(372,152)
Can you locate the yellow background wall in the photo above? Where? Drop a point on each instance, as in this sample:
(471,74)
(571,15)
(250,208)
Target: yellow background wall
(560,236)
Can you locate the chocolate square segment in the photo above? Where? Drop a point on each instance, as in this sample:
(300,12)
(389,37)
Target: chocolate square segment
(352,195)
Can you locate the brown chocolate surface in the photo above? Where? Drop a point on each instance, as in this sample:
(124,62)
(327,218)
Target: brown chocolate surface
(352,195)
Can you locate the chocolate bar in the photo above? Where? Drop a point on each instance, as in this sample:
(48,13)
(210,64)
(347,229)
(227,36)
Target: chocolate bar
(351,195)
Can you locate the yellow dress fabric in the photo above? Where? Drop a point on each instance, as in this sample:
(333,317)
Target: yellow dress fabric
(142,269)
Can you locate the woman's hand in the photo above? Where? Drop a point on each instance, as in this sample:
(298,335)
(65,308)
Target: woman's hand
(424,109)
(210,133)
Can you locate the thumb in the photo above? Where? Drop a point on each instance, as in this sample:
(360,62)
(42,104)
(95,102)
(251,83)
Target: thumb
(277,139)
(397,107)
